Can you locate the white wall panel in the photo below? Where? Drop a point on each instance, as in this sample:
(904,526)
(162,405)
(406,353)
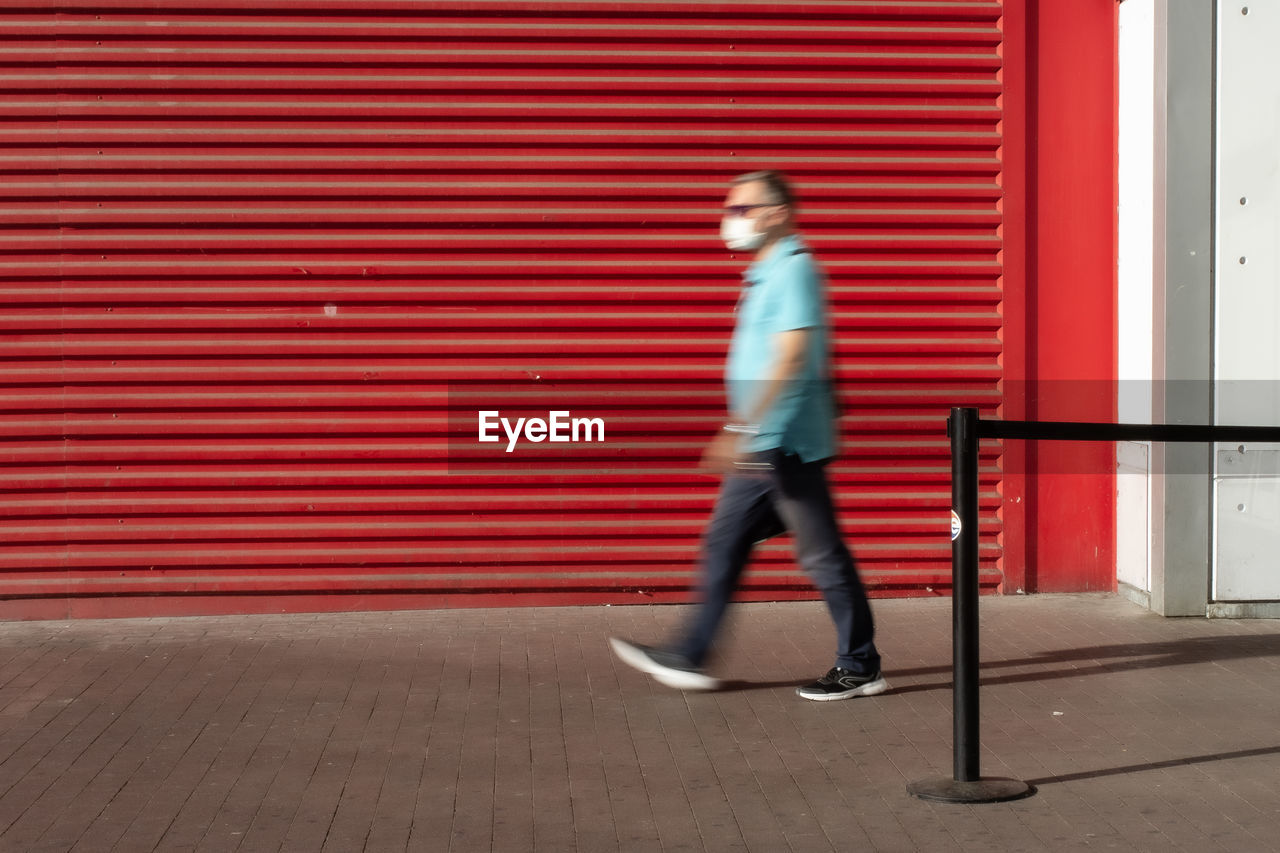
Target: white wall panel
(1247,298)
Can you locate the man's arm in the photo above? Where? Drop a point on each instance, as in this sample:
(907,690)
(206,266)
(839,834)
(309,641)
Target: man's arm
(791,353)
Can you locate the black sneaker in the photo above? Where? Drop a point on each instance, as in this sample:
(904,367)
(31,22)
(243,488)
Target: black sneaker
(668,668)
(842,684)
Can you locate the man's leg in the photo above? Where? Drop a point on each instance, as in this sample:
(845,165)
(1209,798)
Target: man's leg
(743,516)
(804,502)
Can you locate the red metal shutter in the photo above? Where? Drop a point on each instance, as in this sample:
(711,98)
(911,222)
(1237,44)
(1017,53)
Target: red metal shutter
(264,265)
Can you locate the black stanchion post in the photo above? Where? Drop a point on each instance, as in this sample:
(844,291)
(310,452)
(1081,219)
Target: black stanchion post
(964,427)
(964,592)
(967,784)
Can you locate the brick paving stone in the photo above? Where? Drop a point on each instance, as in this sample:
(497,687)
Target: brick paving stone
(656,754)
(472,784)
(634,821)
(410,688)
(515,729)
(442,727)
(61,774)
(128,761)
(208,726)
(549,810)
(589,800)
(513,816)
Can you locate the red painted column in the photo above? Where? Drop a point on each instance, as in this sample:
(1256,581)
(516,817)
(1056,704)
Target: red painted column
(1013,154)
(1065,328)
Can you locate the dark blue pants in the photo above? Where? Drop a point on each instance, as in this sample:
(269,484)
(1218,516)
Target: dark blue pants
(752,507)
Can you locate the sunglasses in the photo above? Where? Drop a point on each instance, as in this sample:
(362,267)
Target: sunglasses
(742,209)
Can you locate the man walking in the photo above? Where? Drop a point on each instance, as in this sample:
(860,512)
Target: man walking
(772,453)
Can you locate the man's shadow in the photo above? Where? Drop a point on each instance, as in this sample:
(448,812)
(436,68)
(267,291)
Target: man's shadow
(1118,657)
(739,685)
(1104,659)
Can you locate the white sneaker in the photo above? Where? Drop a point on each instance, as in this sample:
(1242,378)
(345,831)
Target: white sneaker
(667,668)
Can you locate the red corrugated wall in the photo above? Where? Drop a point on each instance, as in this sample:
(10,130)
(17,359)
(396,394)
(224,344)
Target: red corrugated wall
(263,265)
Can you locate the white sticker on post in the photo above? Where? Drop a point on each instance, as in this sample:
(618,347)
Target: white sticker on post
(955,526)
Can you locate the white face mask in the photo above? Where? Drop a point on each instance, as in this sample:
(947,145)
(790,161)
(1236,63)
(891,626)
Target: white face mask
(739,234)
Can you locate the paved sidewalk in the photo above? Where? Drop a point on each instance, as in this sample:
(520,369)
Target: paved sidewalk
(512,730)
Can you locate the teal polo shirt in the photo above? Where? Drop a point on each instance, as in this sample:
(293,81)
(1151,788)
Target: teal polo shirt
(784,292)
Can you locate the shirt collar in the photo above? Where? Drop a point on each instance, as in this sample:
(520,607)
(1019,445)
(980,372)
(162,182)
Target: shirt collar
(785,248)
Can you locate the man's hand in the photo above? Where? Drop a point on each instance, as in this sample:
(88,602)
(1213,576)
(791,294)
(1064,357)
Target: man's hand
(722,454)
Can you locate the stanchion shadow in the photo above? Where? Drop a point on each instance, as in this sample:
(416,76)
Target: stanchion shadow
(1156,765)
(1120,657)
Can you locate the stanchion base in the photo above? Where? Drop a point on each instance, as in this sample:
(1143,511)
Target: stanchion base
(947,790)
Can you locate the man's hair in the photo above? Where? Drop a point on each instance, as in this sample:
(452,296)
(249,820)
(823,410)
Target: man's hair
(775,183)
